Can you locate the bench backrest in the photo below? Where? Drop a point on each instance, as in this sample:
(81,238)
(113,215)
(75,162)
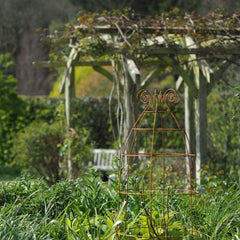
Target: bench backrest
(102,158)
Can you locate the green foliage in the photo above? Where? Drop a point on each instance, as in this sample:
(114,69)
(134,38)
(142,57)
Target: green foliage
(71,209)
(42,121)
(11,108)
(36,150)
(218,206)
(238,94)
(91,123)
(16,113)
(93,114)
(41,149)
(86,209)
(41,109)
(78,142)
(223,131)
(8,173)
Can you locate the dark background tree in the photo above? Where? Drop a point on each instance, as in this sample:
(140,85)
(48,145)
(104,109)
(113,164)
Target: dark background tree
(18,36)
(152,7)
(140,7)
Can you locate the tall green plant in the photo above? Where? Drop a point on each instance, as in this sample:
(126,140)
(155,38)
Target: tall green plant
(218,206)
(11,109)
(77,141)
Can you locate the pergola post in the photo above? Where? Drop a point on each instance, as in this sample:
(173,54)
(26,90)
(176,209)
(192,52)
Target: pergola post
(201,126)
(129,77)
(128,87)
(189,125)
(131,82)
(69,95)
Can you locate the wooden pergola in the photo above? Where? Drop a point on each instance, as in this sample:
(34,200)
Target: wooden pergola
(162,47)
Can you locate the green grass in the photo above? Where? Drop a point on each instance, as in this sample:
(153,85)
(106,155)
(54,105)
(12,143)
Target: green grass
(86,209)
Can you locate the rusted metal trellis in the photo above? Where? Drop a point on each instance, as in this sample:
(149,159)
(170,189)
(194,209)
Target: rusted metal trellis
(157,195)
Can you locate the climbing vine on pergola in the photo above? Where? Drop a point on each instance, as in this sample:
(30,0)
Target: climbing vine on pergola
(198,48)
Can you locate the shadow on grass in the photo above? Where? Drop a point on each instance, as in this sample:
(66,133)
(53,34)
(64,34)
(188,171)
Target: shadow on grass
(9,173)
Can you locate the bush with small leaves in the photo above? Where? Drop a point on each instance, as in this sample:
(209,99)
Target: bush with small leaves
(36,150)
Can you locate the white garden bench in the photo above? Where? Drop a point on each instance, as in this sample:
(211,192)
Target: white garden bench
(102,158)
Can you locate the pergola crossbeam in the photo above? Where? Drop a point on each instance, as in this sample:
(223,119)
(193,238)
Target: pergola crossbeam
(108,29)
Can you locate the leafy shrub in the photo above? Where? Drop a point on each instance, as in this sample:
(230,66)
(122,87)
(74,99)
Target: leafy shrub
(11,109)
(16,113)
(41,109)
(41,149)
(36,150)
